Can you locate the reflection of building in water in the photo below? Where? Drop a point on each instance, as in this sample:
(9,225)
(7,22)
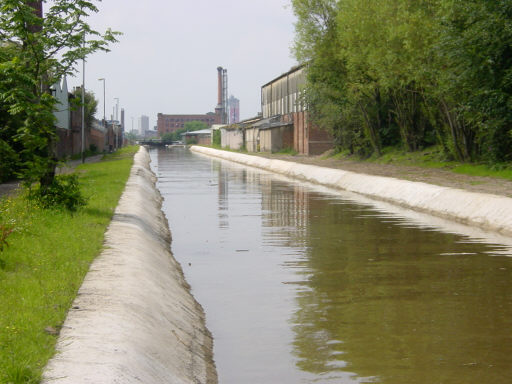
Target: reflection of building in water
(223,190)
(285,209)
(382,299)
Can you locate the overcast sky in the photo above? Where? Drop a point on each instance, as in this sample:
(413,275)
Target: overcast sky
(167,59)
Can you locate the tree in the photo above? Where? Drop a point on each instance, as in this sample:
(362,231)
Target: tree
(43,50)
(9,149)
(91,105)
(189,126)
(195,126)
(475,71)
(132,136)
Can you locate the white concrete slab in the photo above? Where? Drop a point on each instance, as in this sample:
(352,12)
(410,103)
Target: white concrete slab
(489,212)
(134,319)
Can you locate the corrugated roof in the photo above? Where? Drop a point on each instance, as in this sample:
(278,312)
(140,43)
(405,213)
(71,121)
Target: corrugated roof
(275,125)
(200,132)
(293,69)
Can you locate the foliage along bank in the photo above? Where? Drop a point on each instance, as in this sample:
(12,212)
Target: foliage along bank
(35,53)
(410,73)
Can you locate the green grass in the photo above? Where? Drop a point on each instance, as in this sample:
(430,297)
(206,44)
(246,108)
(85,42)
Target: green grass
(502,171)
(48,255)
(433,157)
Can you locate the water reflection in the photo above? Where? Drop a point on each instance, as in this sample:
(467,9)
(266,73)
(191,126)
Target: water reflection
(392,302)
(329,290)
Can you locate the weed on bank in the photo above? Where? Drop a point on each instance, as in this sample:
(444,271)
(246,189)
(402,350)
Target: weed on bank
(44,258)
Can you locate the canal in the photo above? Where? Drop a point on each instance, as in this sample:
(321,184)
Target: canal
(303,285)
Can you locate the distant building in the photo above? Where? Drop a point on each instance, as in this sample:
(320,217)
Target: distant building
(201,137)
(62,112)
(234,109)
(143,125)
(151,134)
(171,123)
(68,124)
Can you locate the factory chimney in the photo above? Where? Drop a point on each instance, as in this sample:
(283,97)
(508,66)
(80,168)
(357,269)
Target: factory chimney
(221,111)
(219,86)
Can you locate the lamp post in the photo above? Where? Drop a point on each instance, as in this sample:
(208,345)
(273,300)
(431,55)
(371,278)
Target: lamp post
(83,109)
(117,108)
(104,113)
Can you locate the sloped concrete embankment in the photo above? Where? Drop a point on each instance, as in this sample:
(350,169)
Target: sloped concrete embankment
(134,319)
(490,212)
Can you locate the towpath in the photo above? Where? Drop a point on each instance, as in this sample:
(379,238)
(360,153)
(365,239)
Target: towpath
(9,188)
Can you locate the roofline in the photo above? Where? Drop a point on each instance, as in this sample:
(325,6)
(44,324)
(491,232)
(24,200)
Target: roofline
(293,69)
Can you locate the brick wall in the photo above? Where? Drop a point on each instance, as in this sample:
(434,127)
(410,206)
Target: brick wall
(204,140)
(171,123)
(309,140)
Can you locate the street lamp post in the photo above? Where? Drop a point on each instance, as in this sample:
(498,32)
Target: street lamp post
(83,111)
(117,108)
(104,113)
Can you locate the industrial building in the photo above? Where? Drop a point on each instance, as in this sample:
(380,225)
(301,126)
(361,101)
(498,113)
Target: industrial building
(224,111)
(283,97)
(283,123)
(171,123)
(221,111)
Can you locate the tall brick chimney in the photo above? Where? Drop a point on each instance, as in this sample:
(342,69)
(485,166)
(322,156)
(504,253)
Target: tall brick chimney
(219,86)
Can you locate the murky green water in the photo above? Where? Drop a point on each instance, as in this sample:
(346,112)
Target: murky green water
(302,286)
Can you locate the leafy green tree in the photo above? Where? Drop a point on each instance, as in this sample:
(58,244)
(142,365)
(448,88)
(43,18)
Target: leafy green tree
(190,126)
(169,136)
(91,105)
(131,136)
(9,149)
(475,72)
(410,72)
(42,52)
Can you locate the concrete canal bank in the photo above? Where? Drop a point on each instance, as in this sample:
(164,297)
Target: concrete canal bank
(487,211)
(134,319)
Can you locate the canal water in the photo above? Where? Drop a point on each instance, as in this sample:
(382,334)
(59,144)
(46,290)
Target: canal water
(302,285)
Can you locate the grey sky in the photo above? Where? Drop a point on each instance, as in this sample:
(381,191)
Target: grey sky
(167,59)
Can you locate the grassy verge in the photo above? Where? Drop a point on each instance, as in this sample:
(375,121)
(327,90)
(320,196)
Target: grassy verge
(48,255)
(434,158)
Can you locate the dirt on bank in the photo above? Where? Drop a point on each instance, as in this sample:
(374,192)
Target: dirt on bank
(442,177)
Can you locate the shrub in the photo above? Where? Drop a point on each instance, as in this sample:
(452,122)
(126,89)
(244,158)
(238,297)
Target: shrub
(9,161)
(64,192)
(93,148)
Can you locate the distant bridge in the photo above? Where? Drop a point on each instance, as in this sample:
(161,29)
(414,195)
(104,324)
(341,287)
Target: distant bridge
(160,143)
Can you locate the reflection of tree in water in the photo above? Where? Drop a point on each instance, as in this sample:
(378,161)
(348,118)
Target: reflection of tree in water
(381,297)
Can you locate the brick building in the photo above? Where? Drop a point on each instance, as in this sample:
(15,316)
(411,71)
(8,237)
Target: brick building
(171,123)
